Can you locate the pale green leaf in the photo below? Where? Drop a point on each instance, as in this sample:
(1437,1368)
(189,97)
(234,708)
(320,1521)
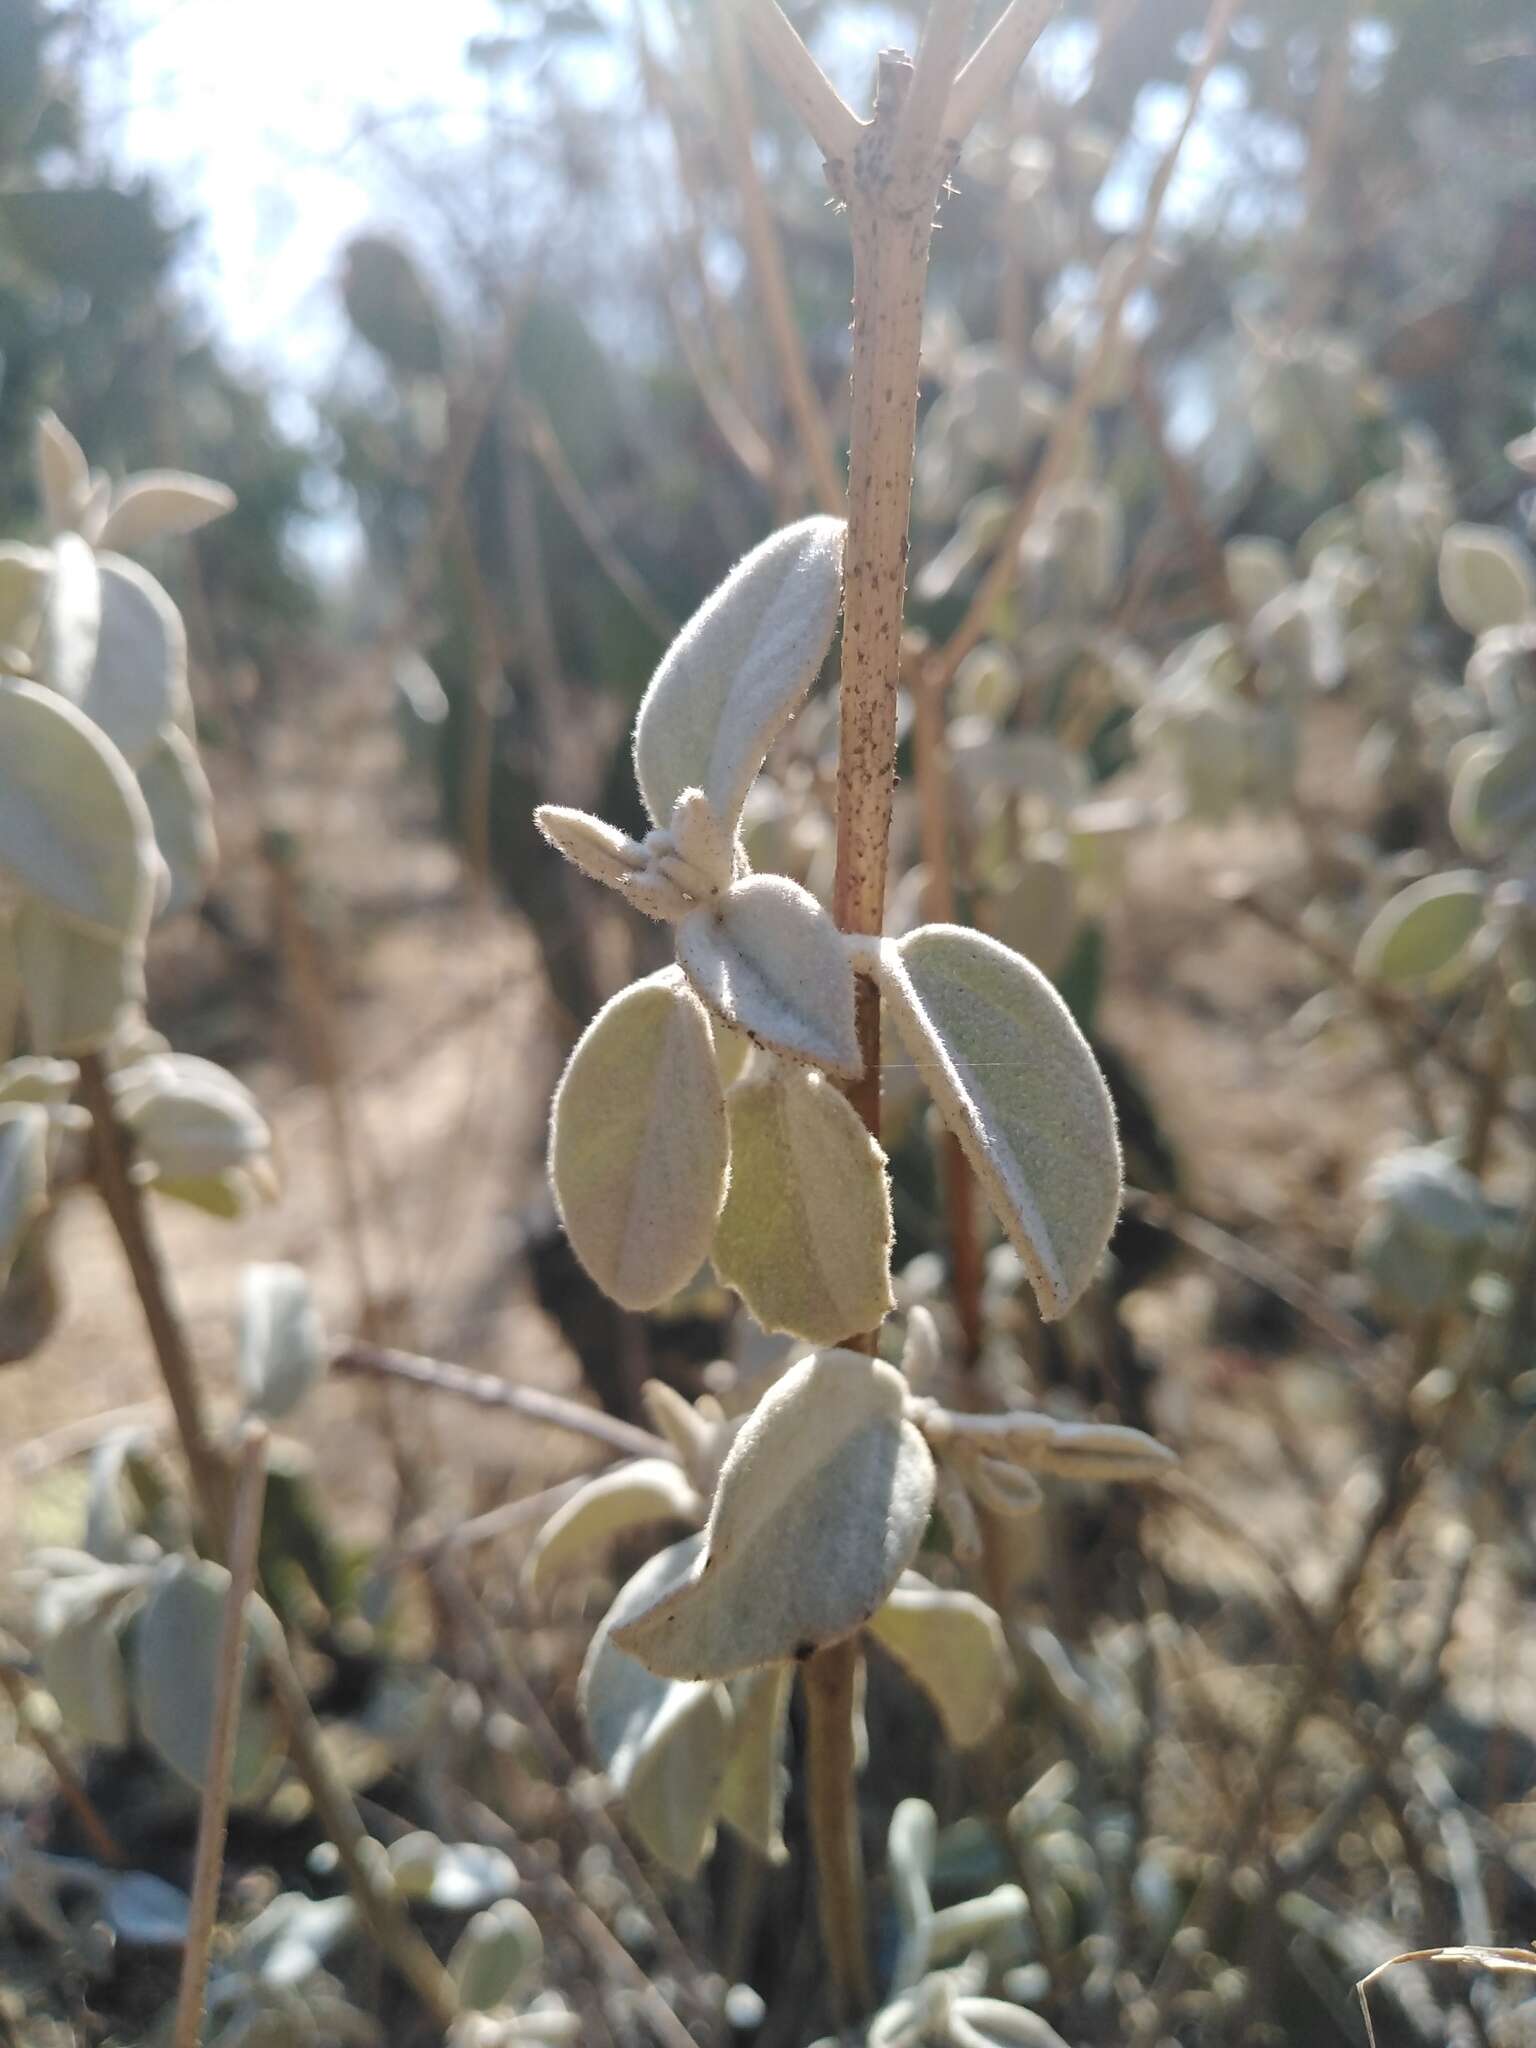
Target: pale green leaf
(805,1234)
(769,961)
(282,1351)
(736,673)
(952,1646)
(757,1777)
(1486,577)
(189,1119)
(500,1950)
(63,474)
(159,504)
(638,1149)
(138,680)
(181,813)
(24,576)
(74,828)
(176,1641)
(71,618)
(1018,1084)
(1493,797)
(77,985)
(663,1743)
(1423,937)
(633,1495)
(821,1504)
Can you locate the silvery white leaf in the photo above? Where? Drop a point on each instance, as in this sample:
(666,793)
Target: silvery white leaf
(74,829)
(1005,1488)
(993,2023)
(282,1349)
(733,677)
(189,1118)
(78,986)
(769,960)
(952,1646)
(291,1937)
(638,1149)
(24,1131)
(805,1234)
(1422,937)
(24,573)
(71,620)
(181,812)
(82,1665)
(498,1951)
(159,504)
(629,1496)
(138,679)
(1486,577)
(63,474)
(702,839)
(821,1504)
(1017,1083)
(598,849)
(922,1352)
(663,1743)
(175,1662)
(757,1778)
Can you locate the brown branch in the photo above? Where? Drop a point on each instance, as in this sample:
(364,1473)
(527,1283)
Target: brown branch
(829,120)
(829,1680)
(213,1814)
(374,1360)
(565,483)
(28,1726)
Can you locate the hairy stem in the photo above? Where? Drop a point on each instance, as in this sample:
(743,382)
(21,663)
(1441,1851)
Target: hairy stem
(213,1815)
(124,1201)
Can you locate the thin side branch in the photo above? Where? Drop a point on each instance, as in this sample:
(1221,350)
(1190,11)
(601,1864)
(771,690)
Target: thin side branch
(830,121)
(376,1361)
(213,1815)
(933,78)
(104,1843)
(994,63)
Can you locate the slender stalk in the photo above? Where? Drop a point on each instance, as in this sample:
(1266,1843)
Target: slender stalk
(828,118)
(829,1680)
(101,1838)
(533,1402)
(124,1201)
(770,278)
(213,1815)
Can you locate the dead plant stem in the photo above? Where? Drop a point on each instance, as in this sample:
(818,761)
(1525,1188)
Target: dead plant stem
(29,1727)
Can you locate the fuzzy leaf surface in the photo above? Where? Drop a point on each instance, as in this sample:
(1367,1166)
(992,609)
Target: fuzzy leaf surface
(63,474)
(71,618)
(159,504)
(1016,1081)
(77,985)
(735,674)
(180,803)
(633,1495)
(821,1504)
(638,1150)
(805,1234)
(599,849)
(952,1646)
(138,680)
(663,1743)
(74,828)
(769,960)
(175,1664)
(757,1777)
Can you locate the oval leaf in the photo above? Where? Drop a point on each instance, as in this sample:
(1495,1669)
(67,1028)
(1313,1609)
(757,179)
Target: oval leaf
(282,1348)
(175,1664)
(638,1147)
(1422,937)
(161,503)
(1017,1083)
(1493,798)
(71,618)
(767,959)
(78,985)
(74,829)
(1486,577)
(138,679)
(952,1646)
(63,474)
(188,1118)
(805,1234)
(180,804)
(733,677)
(663,1744)
(500,1949)
(757,1778)
(821,1504)
(630,1496)
(24,1128)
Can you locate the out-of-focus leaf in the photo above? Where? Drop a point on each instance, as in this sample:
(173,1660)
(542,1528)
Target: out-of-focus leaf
(138,679)
(390,306)
(499,1951)
(71,621)
(820,1506)
(633,1495)
(189,1119)
(77,985)
(769,961)
(952,1645)
(159,504)
(176,1641)
(1422,938)
(282,1350)
(757,1778)
(63,474)
(181,811)
(24,1128)
(1487,578)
